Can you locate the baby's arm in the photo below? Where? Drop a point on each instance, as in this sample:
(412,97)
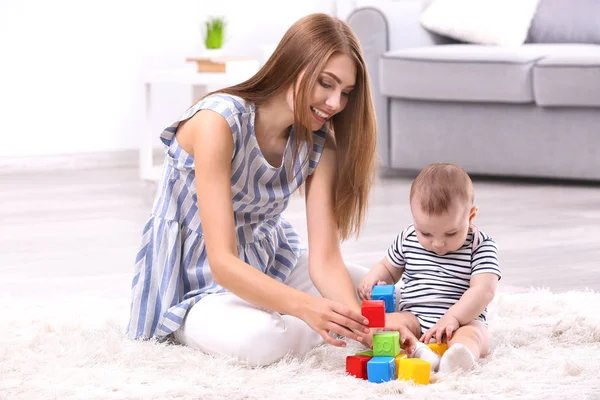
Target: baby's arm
(474,301)
(384,272)
(471,304)
(389,270)
(485,274)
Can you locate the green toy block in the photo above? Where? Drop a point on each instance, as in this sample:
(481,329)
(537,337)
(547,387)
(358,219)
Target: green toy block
(386,344)
(368,353)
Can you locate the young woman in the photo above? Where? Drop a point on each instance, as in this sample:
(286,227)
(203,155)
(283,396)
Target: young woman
(219,267)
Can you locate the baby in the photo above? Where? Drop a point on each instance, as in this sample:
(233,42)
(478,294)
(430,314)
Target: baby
(449,270)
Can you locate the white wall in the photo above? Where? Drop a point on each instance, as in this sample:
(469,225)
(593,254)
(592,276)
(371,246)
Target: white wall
(71,70)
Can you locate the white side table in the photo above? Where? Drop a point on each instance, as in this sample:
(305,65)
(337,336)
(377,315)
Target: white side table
(200,83)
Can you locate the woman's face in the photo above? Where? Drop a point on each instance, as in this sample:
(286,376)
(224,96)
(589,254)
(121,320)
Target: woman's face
(331,91)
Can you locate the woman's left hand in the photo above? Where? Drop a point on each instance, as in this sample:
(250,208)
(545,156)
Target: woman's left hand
(442,330)
(367,338)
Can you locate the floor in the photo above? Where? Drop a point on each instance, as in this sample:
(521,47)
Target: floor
(67,232)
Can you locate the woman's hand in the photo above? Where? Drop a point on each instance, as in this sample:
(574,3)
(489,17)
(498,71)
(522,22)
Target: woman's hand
(368,337)
(442,330)
(324,315)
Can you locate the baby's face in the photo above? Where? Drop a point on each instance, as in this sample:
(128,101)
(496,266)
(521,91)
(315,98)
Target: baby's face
(443,233)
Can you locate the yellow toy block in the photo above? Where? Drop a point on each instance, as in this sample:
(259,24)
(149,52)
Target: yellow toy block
(438,348)
(400,356)
(414,369)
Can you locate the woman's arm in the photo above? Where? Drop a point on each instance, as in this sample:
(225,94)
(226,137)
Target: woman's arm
(326,265)
(212,144)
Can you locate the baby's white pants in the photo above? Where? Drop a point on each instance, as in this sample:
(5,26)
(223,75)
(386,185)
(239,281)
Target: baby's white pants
(224,324)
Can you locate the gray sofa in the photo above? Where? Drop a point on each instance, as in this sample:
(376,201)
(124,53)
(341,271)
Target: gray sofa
(523,111)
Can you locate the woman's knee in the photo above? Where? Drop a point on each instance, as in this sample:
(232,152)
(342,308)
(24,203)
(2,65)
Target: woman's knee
(273,338)
(262,341)
(228,326)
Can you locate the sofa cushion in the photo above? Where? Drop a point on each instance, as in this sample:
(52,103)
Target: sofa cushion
(461,72)
(568,77)
(566,21)
(498,22)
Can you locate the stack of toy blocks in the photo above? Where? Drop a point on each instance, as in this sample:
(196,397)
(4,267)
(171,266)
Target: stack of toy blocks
(385,362)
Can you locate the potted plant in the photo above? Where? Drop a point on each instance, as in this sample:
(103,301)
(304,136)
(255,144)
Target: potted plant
(214,36)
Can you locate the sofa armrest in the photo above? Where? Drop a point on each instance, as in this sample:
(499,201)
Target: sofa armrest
(390,25)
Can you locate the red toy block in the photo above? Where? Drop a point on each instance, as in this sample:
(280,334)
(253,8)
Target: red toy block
(357,366)
(374,310)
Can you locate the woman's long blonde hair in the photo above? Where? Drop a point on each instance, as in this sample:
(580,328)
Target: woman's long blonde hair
(306,47)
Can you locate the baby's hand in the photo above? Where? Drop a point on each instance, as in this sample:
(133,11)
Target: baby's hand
(408,341)
(442,330)
(365,288)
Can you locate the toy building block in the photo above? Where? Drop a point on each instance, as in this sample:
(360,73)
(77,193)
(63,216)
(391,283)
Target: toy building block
(374,310)
(387,293)
(399,357)
(357,366)
(365,353)
(438,348)
(414,369)
(381,369)
(386,344)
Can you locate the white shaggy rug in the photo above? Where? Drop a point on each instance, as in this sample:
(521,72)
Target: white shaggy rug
(544,346)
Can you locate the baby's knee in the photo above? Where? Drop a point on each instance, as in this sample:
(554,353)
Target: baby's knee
(407,319)
(475,332)
(482,336)
(479,332)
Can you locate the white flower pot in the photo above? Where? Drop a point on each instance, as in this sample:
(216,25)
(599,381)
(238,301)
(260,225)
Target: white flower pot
(212,53)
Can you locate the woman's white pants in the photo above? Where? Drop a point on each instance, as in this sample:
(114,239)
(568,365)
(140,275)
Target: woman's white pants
(224,324)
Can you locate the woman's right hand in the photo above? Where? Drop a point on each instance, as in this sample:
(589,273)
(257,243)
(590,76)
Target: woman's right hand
(324,315)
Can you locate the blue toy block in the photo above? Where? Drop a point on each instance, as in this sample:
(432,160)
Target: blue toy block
(387,293)
(381,369)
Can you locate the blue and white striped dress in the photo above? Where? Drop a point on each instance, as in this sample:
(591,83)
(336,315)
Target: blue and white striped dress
(171,267)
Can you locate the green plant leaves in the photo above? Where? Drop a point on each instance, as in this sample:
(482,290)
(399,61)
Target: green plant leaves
(215,33)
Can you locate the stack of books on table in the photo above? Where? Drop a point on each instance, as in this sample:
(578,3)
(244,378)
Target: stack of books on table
(223,64)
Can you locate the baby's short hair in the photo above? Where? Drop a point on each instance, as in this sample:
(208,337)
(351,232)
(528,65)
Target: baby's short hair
(440,184)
